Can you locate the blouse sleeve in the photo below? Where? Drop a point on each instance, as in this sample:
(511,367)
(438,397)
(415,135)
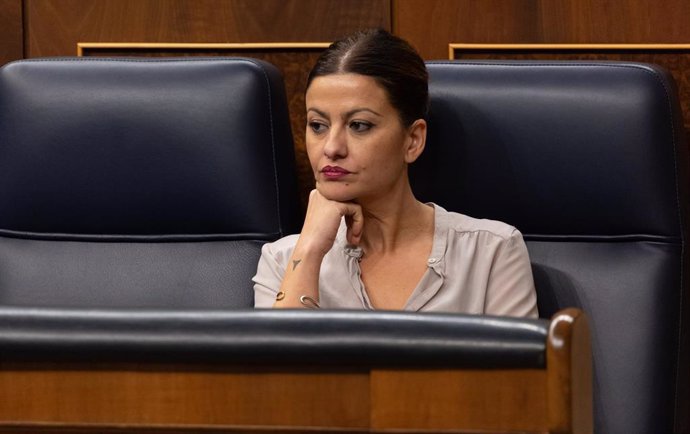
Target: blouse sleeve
(511,289)
(269,276)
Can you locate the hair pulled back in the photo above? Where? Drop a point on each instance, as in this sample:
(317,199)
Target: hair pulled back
(391,61)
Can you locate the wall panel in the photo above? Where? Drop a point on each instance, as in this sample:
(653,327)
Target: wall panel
(11,31)
(55,26)
(431,24)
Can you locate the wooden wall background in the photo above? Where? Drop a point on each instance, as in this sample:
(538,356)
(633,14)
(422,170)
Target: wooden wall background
(431,24)
(11,31)
(34,28)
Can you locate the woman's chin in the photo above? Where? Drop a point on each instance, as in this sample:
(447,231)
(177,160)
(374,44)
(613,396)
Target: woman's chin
(338,193)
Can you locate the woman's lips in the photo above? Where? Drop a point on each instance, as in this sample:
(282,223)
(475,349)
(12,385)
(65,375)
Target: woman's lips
(334,172)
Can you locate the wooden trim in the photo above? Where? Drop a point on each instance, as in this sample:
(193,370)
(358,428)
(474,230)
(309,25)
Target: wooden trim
(51,428)
(394,5)
(569,373)
(82,46)
(452,47)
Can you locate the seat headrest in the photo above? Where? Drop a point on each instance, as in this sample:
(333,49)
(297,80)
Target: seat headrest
(152,148)
(557,149)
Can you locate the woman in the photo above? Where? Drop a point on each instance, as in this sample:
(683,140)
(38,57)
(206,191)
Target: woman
(367,243)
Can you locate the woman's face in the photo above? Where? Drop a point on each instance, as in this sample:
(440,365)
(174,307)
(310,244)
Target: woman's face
(357,145)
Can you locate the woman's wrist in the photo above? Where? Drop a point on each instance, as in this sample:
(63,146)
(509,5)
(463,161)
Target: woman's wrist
(307,249)
(300,282)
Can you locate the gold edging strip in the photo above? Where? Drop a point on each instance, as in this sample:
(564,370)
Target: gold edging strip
(537,47)
(81,46)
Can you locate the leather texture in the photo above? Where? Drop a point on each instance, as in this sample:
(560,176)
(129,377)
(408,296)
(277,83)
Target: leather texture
(334,338)
(588,160)
(141,182)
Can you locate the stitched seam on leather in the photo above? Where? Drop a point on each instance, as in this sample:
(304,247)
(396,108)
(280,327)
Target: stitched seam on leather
(682,251)
(4,233)
(682,244)
(273,145)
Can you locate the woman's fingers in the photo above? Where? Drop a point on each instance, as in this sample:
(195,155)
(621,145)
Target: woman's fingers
(323,220)
(355,223)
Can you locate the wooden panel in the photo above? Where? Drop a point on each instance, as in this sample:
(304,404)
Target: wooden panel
(152,396)
(164,400)
(431,24)
(29,428)
(169,429)
(11,31)
(55,26)
(490,400)
(615,21)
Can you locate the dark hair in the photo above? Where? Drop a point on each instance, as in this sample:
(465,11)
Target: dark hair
(391,61)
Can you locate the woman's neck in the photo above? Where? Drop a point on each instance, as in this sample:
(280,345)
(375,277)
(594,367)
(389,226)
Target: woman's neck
(394,220)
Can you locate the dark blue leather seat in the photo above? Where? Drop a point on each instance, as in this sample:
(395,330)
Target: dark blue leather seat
(589,161)
(141,183)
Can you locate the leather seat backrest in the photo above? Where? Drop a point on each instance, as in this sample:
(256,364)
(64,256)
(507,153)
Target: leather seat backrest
(588,161)
(141,183)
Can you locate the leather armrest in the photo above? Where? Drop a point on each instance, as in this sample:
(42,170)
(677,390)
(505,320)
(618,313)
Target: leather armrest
(272,336)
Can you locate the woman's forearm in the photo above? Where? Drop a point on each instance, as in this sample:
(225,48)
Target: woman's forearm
(300,286)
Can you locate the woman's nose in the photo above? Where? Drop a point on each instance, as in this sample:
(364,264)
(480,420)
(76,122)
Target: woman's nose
(336,144)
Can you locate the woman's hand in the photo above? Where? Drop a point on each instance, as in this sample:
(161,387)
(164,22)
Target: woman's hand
(321,225)
(323,220)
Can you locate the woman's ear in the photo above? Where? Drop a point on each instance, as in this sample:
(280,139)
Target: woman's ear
(416,141)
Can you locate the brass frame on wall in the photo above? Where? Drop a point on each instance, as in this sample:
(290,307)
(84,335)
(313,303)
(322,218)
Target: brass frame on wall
(454,47)
(83,47)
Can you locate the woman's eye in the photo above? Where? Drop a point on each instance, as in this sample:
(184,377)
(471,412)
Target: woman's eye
(360,127)
(317,127)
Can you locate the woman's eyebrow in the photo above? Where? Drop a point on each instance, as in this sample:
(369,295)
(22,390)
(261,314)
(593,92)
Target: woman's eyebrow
(347,114)
(319,112)
(363,109)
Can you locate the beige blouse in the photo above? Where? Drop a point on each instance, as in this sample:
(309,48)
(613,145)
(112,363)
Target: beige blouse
(476,267)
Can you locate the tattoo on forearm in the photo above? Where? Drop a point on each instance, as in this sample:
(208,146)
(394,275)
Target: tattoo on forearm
(295,263)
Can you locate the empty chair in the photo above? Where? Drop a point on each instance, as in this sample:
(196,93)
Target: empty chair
(588,160)
(141,183)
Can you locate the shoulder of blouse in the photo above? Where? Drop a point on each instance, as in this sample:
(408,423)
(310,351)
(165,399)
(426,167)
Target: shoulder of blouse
(462,224)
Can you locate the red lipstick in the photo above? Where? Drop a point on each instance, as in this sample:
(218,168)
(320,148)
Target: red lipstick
(334,172)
